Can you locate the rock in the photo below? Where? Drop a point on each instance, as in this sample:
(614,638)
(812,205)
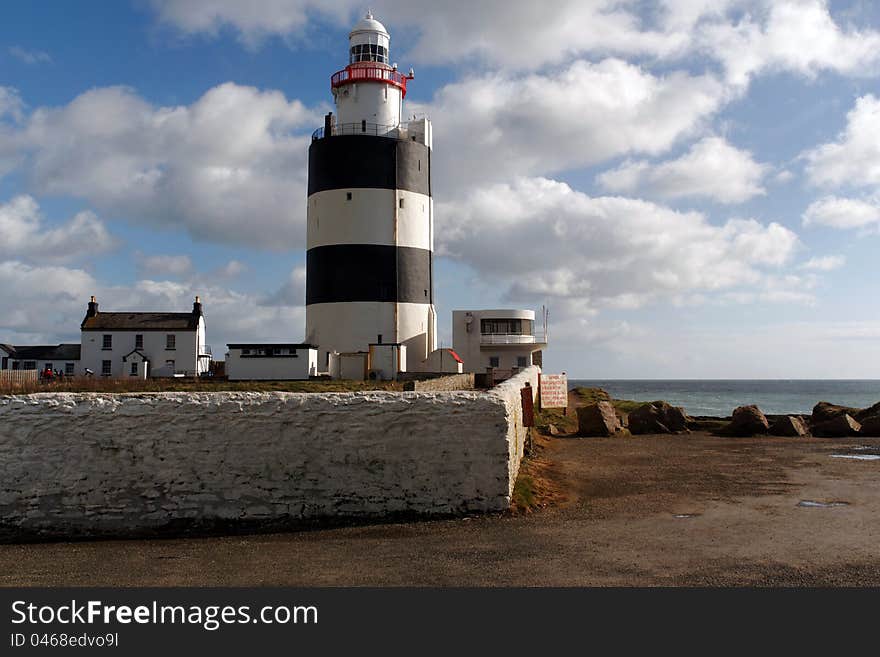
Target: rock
(864,414)
(825,411)
(658,417)
(840,427)
(598,419)
(789,425)
(552,430)
(747,421)
(871,426)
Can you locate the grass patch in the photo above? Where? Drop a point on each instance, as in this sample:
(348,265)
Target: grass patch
(524,496)
(592,395)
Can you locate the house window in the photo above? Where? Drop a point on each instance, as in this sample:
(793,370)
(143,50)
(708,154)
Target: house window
(276,352)
(139,341)
(493,361)
(522,361)
(134,369)
(507,326)
(245,352)
(170,341)
(106,366)
(30,365)
(170,365)
(108,342)
(5,363)
(68,369)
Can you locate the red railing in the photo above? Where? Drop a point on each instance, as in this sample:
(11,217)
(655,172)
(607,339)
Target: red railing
(370,74)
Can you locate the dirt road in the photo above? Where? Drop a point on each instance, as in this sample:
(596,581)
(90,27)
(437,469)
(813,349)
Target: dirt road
(653,510)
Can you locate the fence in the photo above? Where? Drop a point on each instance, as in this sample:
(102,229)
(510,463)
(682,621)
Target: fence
(19,376)
(10,379)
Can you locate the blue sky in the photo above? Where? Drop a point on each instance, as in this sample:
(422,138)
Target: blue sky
(692,188)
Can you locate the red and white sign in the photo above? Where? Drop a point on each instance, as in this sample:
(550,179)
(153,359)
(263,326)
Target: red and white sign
(554,390)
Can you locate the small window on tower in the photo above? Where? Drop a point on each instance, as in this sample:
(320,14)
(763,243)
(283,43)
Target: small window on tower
(401,204)
(348,196)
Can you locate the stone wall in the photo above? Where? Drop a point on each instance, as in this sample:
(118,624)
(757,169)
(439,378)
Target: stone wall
(103,464)
(446,382)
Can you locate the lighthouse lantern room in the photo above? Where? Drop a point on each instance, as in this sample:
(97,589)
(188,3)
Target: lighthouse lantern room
(370,234)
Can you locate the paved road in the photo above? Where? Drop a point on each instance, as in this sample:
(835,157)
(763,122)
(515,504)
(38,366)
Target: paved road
(616,525)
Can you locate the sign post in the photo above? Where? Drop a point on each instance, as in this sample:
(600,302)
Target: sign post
(553,389)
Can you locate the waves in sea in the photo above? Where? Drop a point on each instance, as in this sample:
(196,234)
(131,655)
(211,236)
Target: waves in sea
(719,398)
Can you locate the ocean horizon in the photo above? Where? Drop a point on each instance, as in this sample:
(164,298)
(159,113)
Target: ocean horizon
(718,397)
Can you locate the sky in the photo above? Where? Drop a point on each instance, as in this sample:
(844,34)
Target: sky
(691,187)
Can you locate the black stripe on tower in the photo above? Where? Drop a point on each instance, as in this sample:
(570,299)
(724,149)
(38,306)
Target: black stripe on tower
(360,161)
(368,272)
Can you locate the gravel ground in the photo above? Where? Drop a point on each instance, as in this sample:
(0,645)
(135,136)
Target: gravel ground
(652,510)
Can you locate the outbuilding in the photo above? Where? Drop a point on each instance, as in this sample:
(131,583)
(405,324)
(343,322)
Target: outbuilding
(271,362)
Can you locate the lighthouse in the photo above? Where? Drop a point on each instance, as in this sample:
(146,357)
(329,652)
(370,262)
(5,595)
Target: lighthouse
(370,219)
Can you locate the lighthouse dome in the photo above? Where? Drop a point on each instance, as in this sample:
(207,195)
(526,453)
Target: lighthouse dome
(368,24)
(368,41)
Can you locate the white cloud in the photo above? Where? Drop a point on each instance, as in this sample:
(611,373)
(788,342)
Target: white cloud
(164,265)
(559,244)
(712,168)
(10,104)
(747,37)
(496,126)
(30,56)
(231,269)
(41,304)
(512,35)
(254,20)
(824,263)
(46,304)
(854,159)
(789,35)
(843,213)
(231,167)
(292,292)
(24,234)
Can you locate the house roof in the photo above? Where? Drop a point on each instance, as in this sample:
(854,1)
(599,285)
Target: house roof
(8,348)
(455,356)
(135,351)
(47,352)
(141,322)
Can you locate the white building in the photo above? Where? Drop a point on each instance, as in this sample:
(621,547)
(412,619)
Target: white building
(503,340)
(370,215)
(271,362)
(62,358)
(142,344)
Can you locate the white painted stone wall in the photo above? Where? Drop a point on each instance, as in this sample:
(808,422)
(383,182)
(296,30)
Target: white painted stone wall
(90,464)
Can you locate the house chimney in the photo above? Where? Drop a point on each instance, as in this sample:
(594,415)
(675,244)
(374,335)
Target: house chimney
(197,307)
(93,307)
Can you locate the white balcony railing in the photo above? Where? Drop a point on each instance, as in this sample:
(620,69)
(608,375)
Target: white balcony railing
(510,338)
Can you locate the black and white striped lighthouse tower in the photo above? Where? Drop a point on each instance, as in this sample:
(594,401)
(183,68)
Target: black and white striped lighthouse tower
(369,265)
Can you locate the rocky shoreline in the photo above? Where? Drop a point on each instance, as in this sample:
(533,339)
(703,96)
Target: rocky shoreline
(599,415)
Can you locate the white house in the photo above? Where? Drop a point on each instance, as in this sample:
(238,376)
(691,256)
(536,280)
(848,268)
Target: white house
(142,344)
(271,362)
(499,339)
(62,358)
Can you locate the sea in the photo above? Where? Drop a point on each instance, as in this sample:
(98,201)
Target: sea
(720,397)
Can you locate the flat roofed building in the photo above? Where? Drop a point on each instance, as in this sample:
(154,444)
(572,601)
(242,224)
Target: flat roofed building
(502,339)
(61,358)
(257,361)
